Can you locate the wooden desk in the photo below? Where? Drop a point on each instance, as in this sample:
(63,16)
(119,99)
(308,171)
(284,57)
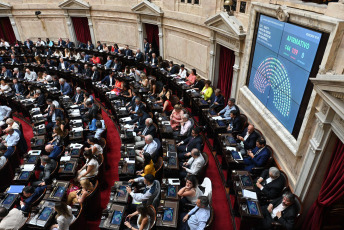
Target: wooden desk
(119,193)
(115,217)
(38,142)
(169,192)
(44,217)
(68,169)
(23,177)
(163,224)
(58,191)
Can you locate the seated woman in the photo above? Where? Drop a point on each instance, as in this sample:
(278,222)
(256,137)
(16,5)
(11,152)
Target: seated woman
(191,192)
(100,127)
(31,92)
(105,48)
(152,87)
(126,93)
(64,217)
(90,168)
(131,103)
(148,166)
(59,123)
(176,117)
(79,196)
(67,53)
(167,106)
(4,88)
(115,49)
(143,220)
(58,136)
(191,79)
(118,86)
(144,80)
(58,53)
(95,148)
(164,92)
(207,91)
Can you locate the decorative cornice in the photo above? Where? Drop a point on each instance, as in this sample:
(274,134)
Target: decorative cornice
(5,6)
(147,8)
(74,5)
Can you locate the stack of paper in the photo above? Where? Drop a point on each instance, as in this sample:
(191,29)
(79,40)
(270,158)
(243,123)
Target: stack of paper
(248,194)
(78,129)
(65,158)
(217,118)
(230,148)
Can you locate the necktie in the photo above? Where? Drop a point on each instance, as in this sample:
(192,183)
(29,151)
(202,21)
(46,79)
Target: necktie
(16,86)
(144,131)
(77,98)
(61,88)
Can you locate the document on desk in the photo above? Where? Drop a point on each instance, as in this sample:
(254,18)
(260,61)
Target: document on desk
(127,126)
(217,118)
(122,109)
(165,122)
(35,152)
(76,146)
(230,148)
(181,82)
(129,161)
(126,119)
(173,75)
(28,167)
(65,158)
(191,90)
(78,129)
(248,194)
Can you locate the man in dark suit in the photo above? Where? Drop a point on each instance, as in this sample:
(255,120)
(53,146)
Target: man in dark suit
(95,74)
(65,88)
(248,139)
(195,141)
(63,65)
(116,65)
(30,195)
(17,74)
(138,56)
(139,120)
(6,73)
(87,71)
(61,42)
(54,151)
(47,167)
(154,60)
(85,57)
(173,68)
(99,46)
(78,98)
(28,43)
(258,156)
(69,44)
(35,51)
(148,129)
(53,113)
(217,101)
(40,99)
(17,88)
(128,52)
(92,112)
(14,60)
(109,80)
(49,63)
(270,183)
(138,106)
(235,125)
(47,52)
(145,46)
(283,210)
(89,46)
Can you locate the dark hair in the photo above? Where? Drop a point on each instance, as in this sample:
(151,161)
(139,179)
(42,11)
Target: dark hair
(290,196)
(192,179)
(261,141)
(234,112)
(62,209)
(3,212)
(208,82)
(99,124)
(93,140)
(165,87)
(147,159)
(204,201)
(197,130)
(89,154)
(182,66)
(49,100)
(164,98)
(149,177)
(194,71)
(3,147)
(29,189)
(143,210)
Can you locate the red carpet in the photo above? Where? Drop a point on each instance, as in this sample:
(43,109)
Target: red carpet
(222,217)
(113,143)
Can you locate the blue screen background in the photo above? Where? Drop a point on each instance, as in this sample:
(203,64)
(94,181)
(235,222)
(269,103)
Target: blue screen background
(282,61)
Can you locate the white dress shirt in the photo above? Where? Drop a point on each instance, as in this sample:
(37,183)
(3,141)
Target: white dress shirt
(32,76)
(195,164)
(150,148)
(182,73)
(5,112)
(12,140)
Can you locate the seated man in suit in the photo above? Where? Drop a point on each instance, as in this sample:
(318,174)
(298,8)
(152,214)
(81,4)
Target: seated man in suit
(99,46)
(236,125)
(14,60)
(148,129)
(53,150)
(150,147)
(93,111)
(173,69)
(283,210)
(89,46)
(195,141)
(6,73)
(78,97)
(30,195)
(109,62)
(49,63)
(109,80)
(69,44)
(61,42)
(139,120)
(47,52)
(154,60)
(193,165)
(225,113)
(149,193)
(217,101)
(53,113)
(247,139)
(95,74)
(40,99)
(63,65)
(128,52)
(65,88)
(138,56)
(185,127)
(47,166)
(84,57)
(116,65)
(28,43)
(87,71)
(270,183)
(138,106)
(17,74)
(17,88)
(258,156)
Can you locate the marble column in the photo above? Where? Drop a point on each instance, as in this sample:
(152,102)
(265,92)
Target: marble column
(15,28)
(212,57)
(161,41)
(140,30)
(72,35)
(236,69)
(90,24)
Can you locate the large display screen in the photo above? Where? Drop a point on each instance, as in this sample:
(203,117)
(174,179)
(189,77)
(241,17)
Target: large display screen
(282,61)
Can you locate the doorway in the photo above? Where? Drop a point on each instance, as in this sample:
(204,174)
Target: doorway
(6,30)
(152,35)
(81,29)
